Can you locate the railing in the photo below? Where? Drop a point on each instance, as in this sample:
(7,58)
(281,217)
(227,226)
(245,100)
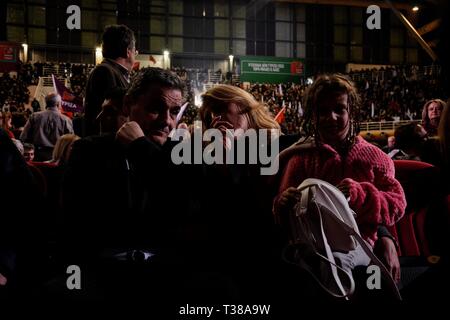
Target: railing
(384,125)
(55,69)
(44,87)
(214,77)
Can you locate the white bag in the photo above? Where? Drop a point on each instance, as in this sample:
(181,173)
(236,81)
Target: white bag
(323,222)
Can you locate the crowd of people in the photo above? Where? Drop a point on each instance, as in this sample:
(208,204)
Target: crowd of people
(388,94)
(145,227)
(397,93)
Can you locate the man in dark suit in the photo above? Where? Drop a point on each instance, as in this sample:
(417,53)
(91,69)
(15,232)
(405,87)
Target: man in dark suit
(118,193)
(119,51)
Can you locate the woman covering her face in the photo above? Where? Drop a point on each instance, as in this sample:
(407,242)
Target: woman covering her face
(230,107)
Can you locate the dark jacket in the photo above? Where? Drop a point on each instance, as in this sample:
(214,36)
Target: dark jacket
(20,216)
(102,79)
(116,197)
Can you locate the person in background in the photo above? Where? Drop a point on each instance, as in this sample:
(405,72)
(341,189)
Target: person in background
(409,142)
(45,127)
(28,152)
(431,114)
(390,144)
(6,122)
(35,105)
(119,52)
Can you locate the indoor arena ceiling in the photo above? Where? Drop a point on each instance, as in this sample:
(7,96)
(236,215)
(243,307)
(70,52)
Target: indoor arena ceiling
(406,5)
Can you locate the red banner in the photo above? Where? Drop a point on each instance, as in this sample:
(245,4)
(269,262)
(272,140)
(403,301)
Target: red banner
(8,53)
(9,56)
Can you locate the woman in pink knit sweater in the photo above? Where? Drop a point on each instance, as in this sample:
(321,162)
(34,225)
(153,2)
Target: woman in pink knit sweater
(333,152)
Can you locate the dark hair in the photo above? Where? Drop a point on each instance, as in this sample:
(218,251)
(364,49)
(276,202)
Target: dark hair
(407,136)
(326,84)
(153,76)
(28,146)
(116,40)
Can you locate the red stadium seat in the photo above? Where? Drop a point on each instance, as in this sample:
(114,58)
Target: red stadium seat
(53,178)
(39,178)
(424,194)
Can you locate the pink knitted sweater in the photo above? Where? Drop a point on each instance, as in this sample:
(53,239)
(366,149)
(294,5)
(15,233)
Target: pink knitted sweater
(375,195)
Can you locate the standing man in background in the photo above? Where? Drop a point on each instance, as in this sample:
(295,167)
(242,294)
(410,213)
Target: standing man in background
(45,127)
(119,52)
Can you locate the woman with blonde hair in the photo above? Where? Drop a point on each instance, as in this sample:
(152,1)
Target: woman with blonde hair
(235,209)
(431,114)
(226,103)
(63,147)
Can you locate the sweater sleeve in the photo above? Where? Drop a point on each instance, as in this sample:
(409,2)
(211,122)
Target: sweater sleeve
(288,176)
(381,201)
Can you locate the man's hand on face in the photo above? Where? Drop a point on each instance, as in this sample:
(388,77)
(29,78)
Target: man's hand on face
(129,132)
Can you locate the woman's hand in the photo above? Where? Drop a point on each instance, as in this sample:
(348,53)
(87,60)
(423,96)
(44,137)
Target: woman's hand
(224,127)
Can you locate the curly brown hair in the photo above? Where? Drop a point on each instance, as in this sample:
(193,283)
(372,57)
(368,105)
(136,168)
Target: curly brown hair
(323,85)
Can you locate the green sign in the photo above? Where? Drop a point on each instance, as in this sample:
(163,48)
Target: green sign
(271,70)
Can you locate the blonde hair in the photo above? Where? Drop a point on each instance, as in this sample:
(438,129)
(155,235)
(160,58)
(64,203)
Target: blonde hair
(425,119)
(217,100)
(62,148)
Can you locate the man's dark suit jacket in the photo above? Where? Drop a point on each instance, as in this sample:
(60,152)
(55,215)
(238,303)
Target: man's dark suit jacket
(116,197)
(103,78)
